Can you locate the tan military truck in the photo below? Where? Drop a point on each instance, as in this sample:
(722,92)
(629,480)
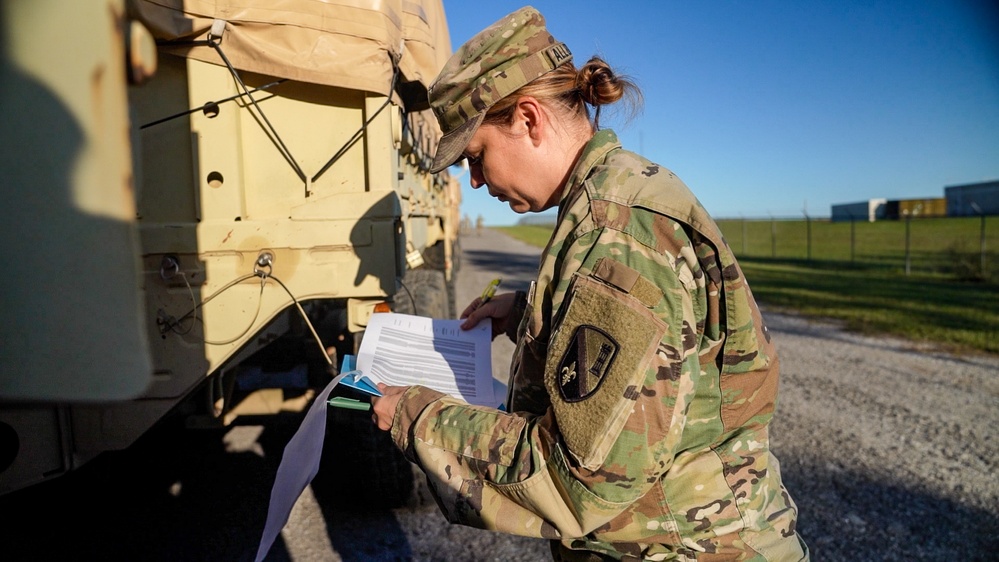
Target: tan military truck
(199,193)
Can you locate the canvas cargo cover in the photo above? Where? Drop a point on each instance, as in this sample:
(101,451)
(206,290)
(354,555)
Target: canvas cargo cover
(343,43)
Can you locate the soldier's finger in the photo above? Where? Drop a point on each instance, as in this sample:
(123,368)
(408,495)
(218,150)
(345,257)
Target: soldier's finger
(475,316)
(475,304)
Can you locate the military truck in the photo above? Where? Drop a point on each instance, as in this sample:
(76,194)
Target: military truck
(206,203)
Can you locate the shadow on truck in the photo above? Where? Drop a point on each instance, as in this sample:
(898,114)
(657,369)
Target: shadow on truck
(204,209)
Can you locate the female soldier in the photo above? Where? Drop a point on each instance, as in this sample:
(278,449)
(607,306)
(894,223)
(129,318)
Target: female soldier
(644,379)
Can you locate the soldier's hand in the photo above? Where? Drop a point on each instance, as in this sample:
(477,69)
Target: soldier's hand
(497,309)
(384,406)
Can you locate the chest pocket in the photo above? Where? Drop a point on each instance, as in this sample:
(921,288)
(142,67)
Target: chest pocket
(596,365)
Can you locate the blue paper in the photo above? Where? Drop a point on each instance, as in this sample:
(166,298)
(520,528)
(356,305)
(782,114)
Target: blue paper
(355,379)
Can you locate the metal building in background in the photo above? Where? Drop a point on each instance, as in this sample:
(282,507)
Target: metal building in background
(972,199)
(916,208)
(870,210)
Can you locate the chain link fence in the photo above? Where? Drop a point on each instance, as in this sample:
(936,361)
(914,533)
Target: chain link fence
(965,248)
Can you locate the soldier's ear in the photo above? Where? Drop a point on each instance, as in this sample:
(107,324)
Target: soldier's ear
(530,118)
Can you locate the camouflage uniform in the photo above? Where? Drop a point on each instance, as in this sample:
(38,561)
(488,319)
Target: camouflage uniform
(644,378)
(642,387)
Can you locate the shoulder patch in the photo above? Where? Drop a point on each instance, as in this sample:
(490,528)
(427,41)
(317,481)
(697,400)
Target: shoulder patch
(585,363)
(600,354)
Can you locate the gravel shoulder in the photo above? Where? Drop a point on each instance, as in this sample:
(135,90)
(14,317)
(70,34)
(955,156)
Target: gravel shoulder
(889,448)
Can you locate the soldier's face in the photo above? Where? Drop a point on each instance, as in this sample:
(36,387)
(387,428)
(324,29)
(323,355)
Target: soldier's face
(507,160)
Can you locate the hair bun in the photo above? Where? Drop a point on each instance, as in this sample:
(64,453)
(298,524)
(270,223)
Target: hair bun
(597,83)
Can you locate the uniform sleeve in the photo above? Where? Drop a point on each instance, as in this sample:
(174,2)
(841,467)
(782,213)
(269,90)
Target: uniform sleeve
(516,315)
(612,372)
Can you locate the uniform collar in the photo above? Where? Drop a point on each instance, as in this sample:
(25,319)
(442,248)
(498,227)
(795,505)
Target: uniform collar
(595,151)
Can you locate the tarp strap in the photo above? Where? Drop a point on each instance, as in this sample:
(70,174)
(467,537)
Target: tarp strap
(214,41)
(360,132)
(210,105)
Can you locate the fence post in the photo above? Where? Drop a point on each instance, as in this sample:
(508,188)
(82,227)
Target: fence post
(773,237)
(981,236)
(985,273)
(908,219)
(743,236)
(808,230)
(853,237)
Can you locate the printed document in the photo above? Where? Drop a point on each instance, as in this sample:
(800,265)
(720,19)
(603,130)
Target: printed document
(405,350)
(398,350)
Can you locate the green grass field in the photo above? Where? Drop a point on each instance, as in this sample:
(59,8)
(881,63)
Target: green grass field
(945,299)
(945,246)
(533,235)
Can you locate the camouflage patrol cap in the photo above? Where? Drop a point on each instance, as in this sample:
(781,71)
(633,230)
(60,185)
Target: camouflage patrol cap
(490,66)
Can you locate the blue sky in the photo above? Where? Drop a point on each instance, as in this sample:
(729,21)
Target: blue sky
(774,108)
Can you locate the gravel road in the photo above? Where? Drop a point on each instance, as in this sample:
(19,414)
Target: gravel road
(889,449)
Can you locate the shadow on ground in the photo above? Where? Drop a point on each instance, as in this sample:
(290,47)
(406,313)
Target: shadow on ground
(178,495)
(514,266)
(848,517)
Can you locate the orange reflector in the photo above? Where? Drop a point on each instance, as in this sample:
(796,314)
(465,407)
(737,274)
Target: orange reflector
(383,307)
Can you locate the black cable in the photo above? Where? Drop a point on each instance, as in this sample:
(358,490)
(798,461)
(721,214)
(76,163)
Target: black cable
(170,324)
(411,299)
(210,104)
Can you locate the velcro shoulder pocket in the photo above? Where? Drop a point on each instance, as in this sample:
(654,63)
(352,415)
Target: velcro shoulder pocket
(596,365)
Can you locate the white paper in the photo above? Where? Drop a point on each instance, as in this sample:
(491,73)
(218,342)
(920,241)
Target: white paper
(398,350)
(405,350)
(298,467)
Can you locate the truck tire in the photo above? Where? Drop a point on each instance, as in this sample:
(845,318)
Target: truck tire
(361,466)
(434,258)
(425,292)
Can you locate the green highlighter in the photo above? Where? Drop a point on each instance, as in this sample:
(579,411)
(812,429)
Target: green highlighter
(348,403)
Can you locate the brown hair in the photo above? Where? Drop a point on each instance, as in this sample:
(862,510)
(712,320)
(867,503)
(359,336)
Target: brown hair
(572,91)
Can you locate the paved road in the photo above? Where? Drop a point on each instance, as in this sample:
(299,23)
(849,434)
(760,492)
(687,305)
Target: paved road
(489,255)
